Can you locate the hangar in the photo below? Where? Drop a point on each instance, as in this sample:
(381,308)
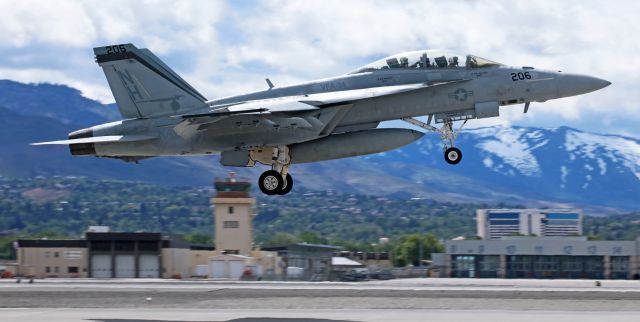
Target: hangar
(105,255)
(540,257)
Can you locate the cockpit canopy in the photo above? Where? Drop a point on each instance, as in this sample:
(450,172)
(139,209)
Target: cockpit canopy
(427,59)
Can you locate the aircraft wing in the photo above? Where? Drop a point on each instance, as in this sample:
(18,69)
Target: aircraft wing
(351,96)
(100,139)
(305,103)
(257,107)
(290,111)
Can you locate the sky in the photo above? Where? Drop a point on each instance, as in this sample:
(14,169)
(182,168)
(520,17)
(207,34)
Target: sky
(224,48)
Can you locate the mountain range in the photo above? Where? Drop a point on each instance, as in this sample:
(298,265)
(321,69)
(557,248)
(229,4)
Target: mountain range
(516,165)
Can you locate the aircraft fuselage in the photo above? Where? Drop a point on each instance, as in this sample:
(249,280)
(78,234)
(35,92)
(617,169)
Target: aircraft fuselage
(319,120)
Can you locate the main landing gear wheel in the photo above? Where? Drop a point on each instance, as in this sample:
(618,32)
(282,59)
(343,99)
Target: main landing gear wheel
(271,182)
(288,185)
(453,155)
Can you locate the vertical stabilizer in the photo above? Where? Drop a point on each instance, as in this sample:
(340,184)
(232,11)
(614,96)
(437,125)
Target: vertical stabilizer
(143,85)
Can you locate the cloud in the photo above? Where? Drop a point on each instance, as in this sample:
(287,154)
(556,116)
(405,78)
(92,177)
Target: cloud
(43,41)
(64,23)
(314,39)
(227,48)
(163,25)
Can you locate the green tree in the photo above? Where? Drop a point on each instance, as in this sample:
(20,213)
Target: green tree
(281,238)
(199,238)
(6,247)
(407,250)
(312,238)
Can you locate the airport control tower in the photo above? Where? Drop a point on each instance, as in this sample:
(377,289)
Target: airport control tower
(233,215)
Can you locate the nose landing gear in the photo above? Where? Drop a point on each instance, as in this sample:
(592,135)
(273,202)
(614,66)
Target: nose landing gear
(277,181)
(452,154)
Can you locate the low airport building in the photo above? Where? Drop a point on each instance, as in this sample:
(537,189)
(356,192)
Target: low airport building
(305,261)
(539,257)
(105,255)
(375,260)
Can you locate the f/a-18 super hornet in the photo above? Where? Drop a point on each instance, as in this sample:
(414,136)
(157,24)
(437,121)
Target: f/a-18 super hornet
(324,119)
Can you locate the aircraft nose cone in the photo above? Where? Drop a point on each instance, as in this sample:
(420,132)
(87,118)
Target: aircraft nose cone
(575,84)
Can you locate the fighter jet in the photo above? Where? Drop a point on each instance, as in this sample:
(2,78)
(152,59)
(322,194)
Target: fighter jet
(324,119)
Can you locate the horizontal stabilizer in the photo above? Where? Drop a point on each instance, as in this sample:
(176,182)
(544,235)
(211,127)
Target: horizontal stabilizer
(100,139)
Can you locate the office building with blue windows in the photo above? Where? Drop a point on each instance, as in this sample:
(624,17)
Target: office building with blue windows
(497,223)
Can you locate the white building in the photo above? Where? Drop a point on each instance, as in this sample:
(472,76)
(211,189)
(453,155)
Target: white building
(496,223)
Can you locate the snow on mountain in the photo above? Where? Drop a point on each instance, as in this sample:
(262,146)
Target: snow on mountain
(513,146)
(617,149)
(522,148)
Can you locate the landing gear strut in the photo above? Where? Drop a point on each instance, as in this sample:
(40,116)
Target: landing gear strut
(452,154)
(277,181)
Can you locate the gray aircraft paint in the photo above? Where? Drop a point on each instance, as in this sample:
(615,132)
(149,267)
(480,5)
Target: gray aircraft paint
(164,115)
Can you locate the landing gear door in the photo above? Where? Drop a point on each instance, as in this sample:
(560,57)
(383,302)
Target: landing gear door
(240,158)
(487,109)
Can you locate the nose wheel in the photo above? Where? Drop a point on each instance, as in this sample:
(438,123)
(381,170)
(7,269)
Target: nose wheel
(453,155)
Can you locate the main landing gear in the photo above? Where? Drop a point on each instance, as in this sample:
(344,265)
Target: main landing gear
(277,181)
(272,183)
(452,154)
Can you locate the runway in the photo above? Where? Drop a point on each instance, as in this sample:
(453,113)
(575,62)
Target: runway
(315,315)
(395,300)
